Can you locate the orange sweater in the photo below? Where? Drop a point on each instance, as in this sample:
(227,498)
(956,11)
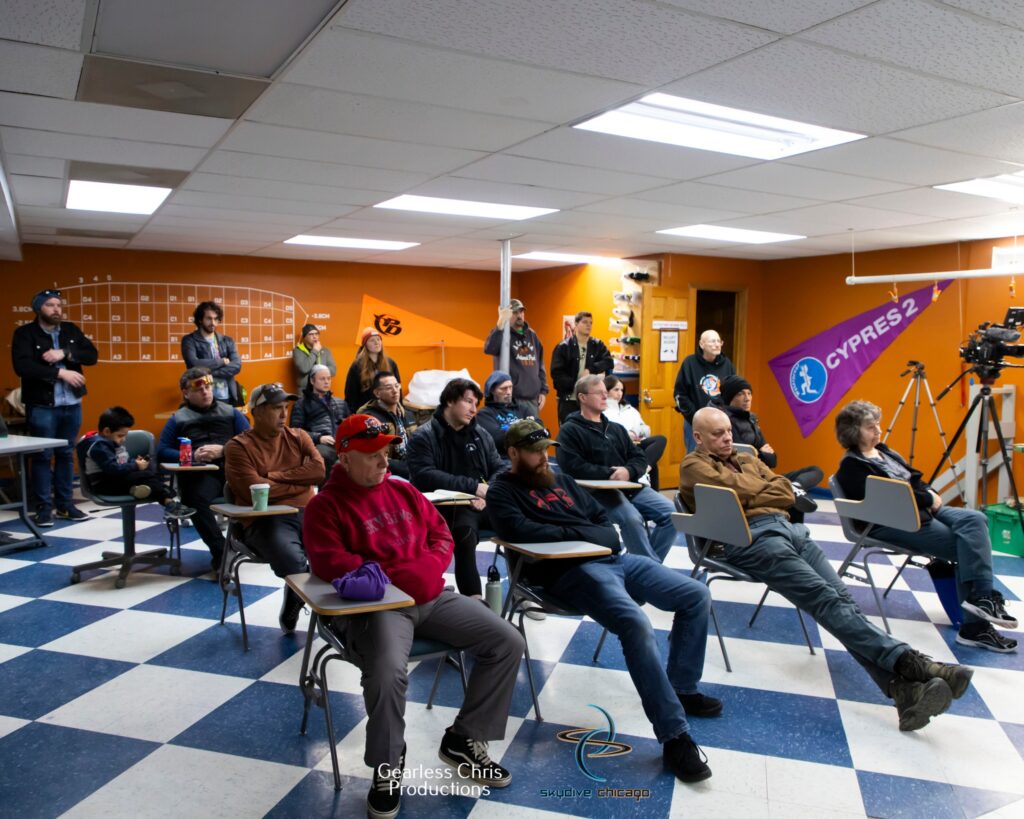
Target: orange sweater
(288,462)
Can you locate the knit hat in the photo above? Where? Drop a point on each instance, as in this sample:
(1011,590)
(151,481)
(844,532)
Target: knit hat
(43,296)
(307,329)
(731,385)
(367,332)
(493,380)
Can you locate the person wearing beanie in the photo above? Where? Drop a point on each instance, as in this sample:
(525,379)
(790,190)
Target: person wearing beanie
(700,380)
(308,353)
(48,356)
(501,411)
(369,361)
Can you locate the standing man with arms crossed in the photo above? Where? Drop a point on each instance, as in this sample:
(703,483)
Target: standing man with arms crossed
(575,357)
(48,356)
(525,358)
(699,380)
(207,348)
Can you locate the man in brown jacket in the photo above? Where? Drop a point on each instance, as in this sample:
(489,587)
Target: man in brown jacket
(783,557)
(285,458)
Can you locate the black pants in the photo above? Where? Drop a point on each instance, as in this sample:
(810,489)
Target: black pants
(199,490)
(121,484)
(565,407)
(278,540)
(465,522)
(330,456)
(654,447)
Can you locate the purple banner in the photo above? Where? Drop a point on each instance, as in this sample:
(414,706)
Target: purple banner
(816,373)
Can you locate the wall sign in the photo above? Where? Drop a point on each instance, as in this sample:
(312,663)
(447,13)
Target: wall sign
(668,346)
(661,324)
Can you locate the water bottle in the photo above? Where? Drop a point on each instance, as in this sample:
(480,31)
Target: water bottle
(492,591)
(185,451)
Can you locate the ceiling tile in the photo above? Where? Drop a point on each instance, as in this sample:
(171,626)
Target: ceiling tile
(662,211)
(90,119)
(506,193)
(318,109)
(814,84)
(274,140)
(501,168)
(61,217)
(931,202)
(275,189)
(784,16)
(37,190)
(100,149)
(625,40)
(899,161)
(367,225)
(30,69)
(254,203)
(932,38)
(996,133)
(808,182)
(697,194)
(255,218)
(55,23)
(35,165)
(380,66)
(233,163)
(1002,11)
(823,219)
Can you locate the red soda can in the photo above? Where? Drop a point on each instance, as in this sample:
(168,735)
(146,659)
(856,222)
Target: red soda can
(185,452)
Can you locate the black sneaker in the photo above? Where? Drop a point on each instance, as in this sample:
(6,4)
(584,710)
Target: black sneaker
(802,502)
(469,757)
(700,705)
(291,606)
(987,607)
(385,796)
(178,511)
(986,637)
(917,702)
(72,513)
(685,759)
(918,667)
(43,518)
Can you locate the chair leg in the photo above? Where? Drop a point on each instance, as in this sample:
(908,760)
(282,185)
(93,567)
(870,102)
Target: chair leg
(330,722)
(227,566)
(309,685)
(874,591)
(721,642)
(803,626)
(757,611)
(437,682)
(529,669)
(600,645)
(897,575)
(241,603)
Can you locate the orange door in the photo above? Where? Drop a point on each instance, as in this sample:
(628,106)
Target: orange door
(657,378)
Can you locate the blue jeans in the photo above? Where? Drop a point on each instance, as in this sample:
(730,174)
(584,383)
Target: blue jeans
(691,442)
(959,536)
(631,514)
(607,590)
(784,558)
(54,422)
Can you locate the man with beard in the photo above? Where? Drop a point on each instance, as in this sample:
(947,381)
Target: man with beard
(531,503)
(386,406)
(525,358)
(367,522)
(451,452)
(207,348)
(500,411)
(209,424)
(48,356)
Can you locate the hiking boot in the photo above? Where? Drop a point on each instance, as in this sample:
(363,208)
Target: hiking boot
(990,607)
(469,757)
(918,667)
(917,702)
(685,759)
(385,796)
(700,705)
(139,492)
(983,635)
(291,606)
(72,513)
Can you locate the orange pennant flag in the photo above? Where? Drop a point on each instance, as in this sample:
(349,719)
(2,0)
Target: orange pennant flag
(402,328)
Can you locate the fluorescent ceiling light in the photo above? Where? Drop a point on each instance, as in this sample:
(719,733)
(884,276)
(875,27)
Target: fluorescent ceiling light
(1008,257)
(694,124)
(1008,187)
(106,196)
(341,241)
(568,258)
(729,234)
(463,207)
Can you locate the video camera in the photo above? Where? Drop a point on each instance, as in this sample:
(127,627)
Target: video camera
(987,346)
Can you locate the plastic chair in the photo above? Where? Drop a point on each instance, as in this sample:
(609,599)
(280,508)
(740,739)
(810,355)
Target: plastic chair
(887,502)
(138,442)
(719,520)
(746,449)
(326,606)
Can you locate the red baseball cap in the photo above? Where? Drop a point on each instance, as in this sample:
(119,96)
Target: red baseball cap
(362,433)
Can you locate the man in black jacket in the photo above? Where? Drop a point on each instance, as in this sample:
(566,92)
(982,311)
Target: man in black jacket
(593,447)
(319,413)
(386,406)
(48,356)
(575,357)
(532,503)
(451,452)
(699,380)
(208,348)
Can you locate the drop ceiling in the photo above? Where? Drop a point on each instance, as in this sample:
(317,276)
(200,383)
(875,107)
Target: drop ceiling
(272,124)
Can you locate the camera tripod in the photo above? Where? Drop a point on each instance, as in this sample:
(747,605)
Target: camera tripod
(987,375)
(915,369)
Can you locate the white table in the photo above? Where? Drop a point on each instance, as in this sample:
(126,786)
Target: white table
(608,484)
(22,445)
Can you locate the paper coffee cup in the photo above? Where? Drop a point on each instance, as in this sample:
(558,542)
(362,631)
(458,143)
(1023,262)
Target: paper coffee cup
(260,495)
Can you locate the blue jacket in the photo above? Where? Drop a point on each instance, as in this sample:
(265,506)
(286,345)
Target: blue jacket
(196,352)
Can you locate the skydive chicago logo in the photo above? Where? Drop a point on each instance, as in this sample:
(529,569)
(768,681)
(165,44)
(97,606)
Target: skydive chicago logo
(808,379)
(590,745)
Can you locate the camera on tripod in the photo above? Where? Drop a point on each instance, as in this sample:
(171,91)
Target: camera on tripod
(987,346)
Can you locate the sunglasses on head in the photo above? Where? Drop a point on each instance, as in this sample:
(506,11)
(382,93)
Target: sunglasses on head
(368,433)
(50,294)
(534,437)
(199,383)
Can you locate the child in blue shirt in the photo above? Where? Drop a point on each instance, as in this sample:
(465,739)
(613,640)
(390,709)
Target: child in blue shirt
(110,471)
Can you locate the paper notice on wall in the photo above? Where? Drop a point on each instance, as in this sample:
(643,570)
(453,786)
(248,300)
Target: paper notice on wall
(668,346)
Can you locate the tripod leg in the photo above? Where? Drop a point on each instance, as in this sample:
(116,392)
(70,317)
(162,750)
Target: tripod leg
(913,417)
(899,409)
(1005,460)
(956,435)
(942,437)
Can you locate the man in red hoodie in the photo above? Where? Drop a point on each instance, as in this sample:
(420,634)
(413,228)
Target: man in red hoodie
(363,515)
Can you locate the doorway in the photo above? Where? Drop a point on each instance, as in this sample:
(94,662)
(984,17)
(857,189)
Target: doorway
(716,310)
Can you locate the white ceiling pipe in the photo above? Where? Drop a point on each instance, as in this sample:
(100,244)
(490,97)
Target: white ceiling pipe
(983,273)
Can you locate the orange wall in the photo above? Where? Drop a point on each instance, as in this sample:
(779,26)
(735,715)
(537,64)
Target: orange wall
(806,296)
(321,287)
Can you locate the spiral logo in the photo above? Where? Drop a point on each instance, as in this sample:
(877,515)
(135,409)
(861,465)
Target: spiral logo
(590,744)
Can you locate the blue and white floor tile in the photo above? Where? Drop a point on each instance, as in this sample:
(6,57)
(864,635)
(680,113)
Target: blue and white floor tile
(143,699)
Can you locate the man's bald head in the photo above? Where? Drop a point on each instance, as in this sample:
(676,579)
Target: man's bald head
(710,344)
(712,430)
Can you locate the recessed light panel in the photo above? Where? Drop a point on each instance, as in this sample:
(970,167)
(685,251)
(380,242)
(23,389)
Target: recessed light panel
(111,198)
(464,207)
(342,241)
(695,124)
(1009,187)
(729,234)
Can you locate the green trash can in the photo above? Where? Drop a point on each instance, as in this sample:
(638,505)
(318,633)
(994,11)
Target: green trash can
(1004,529)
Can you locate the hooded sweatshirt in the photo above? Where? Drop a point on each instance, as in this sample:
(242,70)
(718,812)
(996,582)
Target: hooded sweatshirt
(392,524)
(698,381)
(591,449)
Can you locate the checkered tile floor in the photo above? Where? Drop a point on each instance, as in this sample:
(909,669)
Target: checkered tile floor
(137,701)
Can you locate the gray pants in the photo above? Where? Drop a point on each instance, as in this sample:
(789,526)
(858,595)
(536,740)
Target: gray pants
(379,644)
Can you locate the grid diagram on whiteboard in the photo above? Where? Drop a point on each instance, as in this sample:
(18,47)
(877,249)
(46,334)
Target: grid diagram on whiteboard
(145,321)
